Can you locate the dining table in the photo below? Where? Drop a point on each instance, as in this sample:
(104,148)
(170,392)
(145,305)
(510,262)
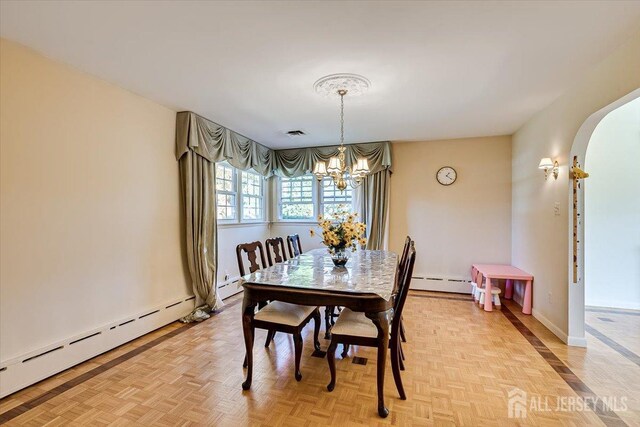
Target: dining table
(365,284)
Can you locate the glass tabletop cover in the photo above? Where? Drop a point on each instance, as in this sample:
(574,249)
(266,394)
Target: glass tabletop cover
(366,272)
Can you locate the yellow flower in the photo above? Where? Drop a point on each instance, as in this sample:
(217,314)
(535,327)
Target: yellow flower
(312,232)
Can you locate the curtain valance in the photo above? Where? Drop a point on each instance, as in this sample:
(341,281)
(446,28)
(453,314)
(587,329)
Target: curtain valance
(298,161)
(217,143)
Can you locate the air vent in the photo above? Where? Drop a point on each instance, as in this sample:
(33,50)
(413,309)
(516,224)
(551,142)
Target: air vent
(295,133)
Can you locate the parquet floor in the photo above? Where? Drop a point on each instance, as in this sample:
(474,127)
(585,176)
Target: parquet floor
(461,364)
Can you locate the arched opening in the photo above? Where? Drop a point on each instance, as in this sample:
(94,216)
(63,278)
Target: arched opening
(603,129)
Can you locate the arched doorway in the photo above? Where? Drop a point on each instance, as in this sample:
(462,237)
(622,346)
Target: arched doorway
(577,282)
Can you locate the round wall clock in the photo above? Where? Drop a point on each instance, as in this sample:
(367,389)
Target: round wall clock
(446,175)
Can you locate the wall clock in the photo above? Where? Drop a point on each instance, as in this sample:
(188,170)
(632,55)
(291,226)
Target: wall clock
(446,175)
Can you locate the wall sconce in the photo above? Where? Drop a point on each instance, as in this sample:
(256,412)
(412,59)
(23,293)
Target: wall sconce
(547,165)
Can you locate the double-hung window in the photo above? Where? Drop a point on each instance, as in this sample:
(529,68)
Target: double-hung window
(304,198)
(333,199)
(297,197)
(240,195)
(252,196)
(226,191)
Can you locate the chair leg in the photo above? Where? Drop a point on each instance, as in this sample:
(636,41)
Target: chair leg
(400,350)
(401,358)
(297,343)
(345,350)
(395,367)
(403,336)
(317,320)
(331,359)
(270,336)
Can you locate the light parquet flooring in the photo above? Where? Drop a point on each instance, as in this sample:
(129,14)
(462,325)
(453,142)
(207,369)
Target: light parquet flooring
(461,363)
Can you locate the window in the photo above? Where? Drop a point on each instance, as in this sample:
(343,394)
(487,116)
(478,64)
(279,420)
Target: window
(332,198)
(226,191)
(304,198)
(239,195)
(252,196)
(297,198)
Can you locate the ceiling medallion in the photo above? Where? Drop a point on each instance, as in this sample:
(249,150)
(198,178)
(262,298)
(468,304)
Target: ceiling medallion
(341,174)
(354,84)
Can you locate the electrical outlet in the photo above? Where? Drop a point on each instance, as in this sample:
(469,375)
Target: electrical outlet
(556,208)
(226,276)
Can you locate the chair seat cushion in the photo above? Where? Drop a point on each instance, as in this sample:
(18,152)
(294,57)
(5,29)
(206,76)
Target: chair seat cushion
(284,313)
(354,324)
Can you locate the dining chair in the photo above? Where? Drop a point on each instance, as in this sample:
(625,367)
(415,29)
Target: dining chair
(403,259)
(401,266)
(356,329)
(295,248)
(278,316)
(275,250)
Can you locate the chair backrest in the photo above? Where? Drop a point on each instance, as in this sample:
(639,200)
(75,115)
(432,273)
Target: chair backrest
(404,290)
(402,265)
(251,249)
(275,247)
(295,248)
(405,252)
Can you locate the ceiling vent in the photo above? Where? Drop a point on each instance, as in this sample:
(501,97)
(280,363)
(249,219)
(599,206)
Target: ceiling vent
(295,133)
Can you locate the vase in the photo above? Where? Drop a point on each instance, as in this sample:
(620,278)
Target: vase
(340,257)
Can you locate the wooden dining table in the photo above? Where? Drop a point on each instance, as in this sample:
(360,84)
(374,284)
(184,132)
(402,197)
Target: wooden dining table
(366,284)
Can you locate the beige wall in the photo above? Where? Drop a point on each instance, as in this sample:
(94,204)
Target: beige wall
(89,203)
(540,238)
(454,226)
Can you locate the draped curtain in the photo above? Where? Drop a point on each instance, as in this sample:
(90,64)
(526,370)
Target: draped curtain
(200,143)
(372,203)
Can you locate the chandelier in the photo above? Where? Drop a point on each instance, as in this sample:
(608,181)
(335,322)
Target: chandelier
(342,175)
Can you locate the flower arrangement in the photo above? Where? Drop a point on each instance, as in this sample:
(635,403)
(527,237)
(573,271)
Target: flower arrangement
(341,231)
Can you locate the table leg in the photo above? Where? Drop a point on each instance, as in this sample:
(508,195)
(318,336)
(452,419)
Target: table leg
(487,296)
(328,311)
(526,306)
(248,310)
(381,320)
(508,290)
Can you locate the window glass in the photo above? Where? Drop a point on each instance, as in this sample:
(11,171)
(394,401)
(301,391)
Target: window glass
(252,196)
(296,198)
(226,191)
(334,199)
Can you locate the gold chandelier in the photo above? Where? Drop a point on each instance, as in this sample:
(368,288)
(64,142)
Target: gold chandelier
(337,169)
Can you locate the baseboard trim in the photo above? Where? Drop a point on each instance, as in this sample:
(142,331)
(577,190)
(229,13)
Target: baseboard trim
(29,368)
(550,325)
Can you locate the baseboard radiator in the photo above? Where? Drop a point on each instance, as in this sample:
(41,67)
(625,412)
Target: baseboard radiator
(441,283)
(29,368)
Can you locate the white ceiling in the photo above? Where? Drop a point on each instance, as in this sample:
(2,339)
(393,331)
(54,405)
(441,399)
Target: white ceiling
(438,69)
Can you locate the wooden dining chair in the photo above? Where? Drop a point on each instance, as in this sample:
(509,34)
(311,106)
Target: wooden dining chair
(278,316)
(355,328)
(401,265)
(275,250)
(295,248)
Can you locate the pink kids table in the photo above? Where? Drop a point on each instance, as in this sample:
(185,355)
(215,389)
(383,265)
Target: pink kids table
(510,273)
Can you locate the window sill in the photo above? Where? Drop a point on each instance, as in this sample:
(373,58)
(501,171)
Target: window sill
(294,222)
(242,224)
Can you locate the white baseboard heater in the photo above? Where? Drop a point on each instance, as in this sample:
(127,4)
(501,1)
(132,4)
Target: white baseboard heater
(437,283)
(29,368)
